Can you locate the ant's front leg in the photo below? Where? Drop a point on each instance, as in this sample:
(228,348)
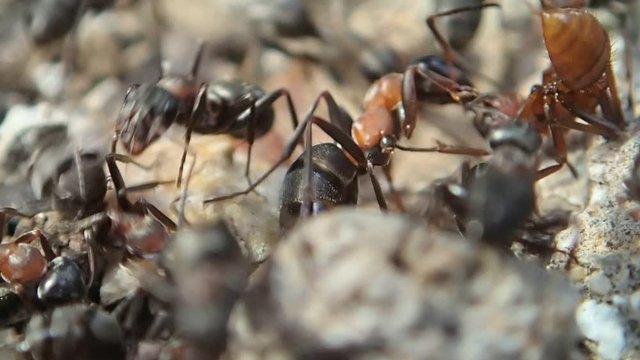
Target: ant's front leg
(32,235)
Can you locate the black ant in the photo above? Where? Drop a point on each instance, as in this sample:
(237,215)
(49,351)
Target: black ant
(494,202)
(50,20)
(233,107)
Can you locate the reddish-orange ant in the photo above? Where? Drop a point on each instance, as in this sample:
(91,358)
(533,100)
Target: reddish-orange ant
(579,79)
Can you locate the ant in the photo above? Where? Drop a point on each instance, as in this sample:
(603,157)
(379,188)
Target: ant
(77,331)
(50,20)
(491,200)
(494,201)
(142,228)
(21,263)
(391,112)
(232,107)
(59,279)
(579,79)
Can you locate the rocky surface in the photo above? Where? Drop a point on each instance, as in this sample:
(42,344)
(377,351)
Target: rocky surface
(360,285)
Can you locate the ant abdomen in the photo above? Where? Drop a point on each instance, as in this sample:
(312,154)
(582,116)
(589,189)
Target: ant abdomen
(334,179)
(227,100)
(578,46)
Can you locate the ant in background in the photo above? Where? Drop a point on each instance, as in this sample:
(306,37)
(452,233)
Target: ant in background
(570,88)
(232,107)
(461,28)
(391,113)
(50,20)
(494,201)
(579,79)
(38,278)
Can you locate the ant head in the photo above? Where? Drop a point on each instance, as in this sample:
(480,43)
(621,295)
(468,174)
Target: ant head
(516,134)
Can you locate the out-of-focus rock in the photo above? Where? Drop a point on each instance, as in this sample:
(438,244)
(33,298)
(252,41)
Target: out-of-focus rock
(363,285)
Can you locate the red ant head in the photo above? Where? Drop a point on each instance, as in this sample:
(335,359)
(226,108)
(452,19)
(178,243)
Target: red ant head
(142,235)
(22,263)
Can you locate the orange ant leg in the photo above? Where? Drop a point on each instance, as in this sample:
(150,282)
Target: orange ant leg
(560,145)
(605,128)
(610,101)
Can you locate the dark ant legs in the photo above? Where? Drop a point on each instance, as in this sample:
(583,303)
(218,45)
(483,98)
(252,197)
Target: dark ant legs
(33,235)
(345,141)
(140,206)
(251,116)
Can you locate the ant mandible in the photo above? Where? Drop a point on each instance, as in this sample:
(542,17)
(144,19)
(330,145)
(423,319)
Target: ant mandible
(233,107)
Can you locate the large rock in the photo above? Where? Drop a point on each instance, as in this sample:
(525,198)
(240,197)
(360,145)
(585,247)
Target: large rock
(360,285)
(604,239)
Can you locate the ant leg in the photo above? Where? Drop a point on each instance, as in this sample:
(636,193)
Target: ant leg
(336,133)
(397,198)
(253,114)
(251,135)
(88,238)
(560,145)
(201,99)
(382,203)
(543,173)
(32,235)
(197,59)
(446,149)
(266,101)
(81,183)
(152,210)
(148,185)
(605,128)
(182,220)
(610,101)
(458,93)
(7,212)
(140,205)
(409,101)
(118,183)
(126,159)
(307,180)
(288,151)
(628,59)
(449,53)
